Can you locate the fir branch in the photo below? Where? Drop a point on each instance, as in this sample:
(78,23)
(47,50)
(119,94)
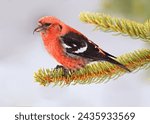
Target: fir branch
(123,26)
(96,72)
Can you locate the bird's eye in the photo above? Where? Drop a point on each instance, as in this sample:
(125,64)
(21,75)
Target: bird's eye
(47,24)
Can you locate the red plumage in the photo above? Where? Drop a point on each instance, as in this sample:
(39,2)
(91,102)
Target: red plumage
(68,46)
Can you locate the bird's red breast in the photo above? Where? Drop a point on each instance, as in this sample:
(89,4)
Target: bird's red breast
(54,47)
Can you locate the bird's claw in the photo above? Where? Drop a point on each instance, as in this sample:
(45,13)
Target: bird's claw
(66,72)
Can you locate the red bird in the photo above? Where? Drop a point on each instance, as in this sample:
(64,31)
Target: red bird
(69,47)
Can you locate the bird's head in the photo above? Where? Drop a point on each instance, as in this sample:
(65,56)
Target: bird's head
(49,24)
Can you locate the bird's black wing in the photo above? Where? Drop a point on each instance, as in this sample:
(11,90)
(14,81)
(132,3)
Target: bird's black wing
(79,45)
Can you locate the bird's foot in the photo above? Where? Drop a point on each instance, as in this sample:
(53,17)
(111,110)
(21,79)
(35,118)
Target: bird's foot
(66,72)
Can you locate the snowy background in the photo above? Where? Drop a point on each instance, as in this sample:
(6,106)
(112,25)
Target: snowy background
(22,53)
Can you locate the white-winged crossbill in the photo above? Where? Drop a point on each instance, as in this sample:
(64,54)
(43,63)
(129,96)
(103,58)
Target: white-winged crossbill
(69,47)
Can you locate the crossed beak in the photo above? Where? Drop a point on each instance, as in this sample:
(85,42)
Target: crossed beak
(39,28)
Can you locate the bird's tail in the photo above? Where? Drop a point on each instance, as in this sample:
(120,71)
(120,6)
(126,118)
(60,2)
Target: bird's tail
(108,59)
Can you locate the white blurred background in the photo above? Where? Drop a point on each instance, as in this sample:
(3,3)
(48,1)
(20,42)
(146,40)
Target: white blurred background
(22,53)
